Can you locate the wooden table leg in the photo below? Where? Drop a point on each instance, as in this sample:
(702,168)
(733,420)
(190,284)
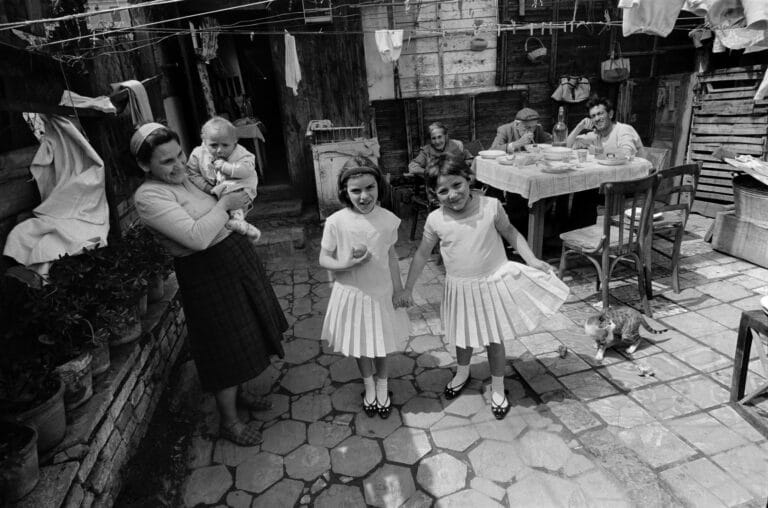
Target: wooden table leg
(536,215)
(741,359)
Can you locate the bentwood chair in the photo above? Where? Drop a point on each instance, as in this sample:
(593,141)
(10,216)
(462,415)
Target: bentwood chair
(673,200)
(621,235)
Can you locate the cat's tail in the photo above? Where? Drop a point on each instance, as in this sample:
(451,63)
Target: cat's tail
(648,327)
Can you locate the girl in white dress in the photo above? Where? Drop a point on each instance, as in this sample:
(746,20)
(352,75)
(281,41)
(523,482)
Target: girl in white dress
(358,245)
(487,298)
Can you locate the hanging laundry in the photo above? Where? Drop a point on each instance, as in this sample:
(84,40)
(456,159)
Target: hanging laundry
(389,43)
(756,14)
(209,39)
(138,101)
(292,69)
(655,17)
(102,103)
(73,214)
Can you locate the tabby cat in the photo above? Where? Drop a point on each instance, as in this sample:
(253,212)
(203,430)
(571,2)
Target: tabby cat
(618,326)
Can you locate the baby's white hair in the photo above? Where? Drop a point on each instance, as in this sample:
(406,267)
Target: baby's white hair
(218,123)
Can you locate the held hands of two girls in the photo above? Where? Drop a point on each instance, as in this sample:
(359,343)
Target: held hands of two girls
(402,298)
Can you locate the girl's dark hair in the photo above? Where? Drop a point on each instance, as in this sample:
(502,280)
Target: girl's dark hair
(357,166)
(448,164)
(158,137)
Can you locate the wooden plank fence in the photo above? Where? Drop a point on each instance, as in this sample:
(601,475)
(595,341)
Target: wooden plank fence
(724,114)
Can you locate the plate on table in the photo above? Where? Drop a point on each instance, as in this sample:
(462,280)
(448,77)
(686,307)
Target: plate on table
(555,167)
(506,160)
(491,154)
(612,161)
(557,153)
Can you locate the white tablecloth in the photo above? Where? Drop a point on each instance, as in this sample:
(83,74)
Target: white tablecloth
(530,182)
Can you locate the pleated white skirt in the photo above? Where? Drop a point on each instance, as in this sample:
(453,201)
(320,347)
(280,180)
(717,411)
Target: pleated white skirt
(358,324)
(510,302)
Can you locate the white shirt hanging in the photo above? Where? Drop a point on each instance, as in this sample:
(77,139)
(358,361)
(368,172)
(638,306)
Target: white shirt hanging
(389,43)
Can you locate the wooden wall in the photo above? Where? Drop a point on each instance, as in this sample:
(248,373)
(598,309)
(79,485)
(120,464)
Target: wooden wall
(431,64)
(580,53)
(332,87)
(401,123)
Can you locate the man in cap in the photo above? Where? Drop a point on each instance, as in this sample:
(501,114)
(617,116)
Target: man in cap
(525,130)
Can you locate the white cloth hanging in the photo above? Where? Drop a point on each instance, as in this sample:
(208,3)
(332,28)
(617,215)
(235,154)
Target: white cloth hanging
(138,101)
(73,214)
(75,100)
(389,43)
(649,16)
(292,69)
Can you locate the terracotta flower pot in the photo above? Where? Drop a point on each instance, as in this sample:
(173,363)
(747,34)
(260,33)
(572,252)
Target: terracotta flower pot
(19,472)
(127,332)
(78,380)
(48,418)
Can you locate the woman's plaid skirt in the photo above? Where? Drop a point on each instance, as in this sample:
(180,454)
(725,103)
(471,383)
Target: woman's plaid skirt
(234,321)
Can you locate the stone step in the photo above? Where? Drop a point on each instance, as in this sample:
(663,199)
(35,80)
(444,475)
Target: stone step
(280,241)
(276,192)
(274,209)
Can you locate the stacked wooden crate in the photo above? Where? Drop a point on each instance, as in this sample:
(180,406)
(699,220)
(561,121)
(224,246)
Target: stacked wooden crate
(725,114)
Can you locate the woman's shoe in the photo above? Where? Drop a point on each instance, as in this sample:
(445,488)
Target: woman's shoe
(370,409)
(242,434)
(451,392)
(500,410)
(385,410)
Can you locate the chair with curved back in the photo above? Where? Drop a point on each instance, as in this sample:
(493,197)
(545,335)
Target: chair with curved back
(621,235)
(674,199)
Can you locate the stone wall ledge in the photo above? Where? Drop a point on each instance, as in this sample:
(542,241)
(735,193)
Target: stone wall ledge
(85,468)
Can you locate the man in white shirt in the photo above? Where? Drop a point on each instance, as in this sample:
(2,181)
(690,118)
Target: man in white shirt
(615,137)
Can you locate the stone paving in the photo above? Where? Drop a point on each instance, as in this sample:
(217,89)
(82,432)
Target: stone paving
(580,432)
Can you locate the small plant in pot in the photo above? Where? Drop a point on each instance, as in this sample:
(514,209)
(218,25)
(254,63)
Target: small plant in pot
(19,472)
(30,391)
(149,258)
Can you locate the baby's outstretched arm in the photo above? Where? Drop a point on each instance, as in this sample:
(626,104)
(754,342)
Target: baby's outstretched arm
(417,266)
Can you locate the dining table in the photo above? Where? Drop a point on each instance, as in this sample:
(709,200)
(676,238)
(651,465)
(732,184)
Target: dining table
(541,181)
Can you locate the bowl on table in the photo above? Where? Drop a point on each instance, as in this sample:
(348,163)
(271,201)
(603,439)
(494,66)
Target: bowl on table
(491,154)
(557,153)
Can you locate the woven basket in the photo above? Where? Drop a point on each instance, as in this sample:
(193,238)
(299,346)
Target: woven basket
(750,199)
(535,55)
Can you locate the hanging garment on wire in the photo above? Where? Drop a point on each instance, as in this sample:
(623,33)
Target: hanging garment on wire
(101,103)
(292,69)
(138,101)
(756,14)
(389,43)
(655,17)
(73,214)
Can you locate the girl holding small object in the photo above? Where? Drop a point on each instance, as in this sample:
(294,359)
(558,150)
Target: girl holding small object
(358,245)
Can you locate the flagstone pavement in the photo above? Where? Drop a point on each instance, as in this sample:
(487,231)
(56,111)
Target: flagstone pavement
(580,432)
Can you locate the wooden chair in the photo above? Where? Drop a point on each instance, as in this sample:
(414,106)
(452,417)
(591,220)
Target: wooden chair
(623,234)
(659,157)
(674,199)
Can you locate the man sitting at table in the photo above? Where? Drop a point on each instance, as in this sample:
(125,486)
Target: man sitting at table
(524,130)
(439,144)
(615,136)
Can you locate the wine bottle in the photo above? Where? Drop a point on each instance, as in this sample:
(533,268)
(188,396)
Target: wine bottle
(560,130)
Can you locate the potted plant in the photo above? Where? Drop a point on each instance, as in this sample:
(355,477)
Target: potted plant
(30,392)
(149,258)
(19,472)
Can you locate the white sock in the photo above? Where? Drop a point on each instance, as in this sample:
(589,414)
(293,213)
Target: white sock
(370,389)
(497,387)
(462,373)
(382,393)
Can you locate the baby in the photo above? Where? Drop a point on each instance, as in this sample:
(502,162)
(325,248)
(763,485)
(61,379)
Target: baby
(220,166)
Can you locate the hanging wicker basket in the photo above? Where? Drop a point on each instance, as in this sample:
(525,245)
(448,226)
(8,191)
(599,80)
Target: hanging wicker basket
(535,55)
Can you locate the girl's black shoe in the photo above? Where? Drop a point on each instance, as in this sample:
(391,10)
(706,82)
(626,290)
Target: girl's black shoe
(451,392)
(385,409)
(500,410)
(370,409)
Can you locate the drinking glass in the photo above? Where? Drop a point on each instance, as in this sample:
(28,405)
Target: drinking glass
(581,154)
